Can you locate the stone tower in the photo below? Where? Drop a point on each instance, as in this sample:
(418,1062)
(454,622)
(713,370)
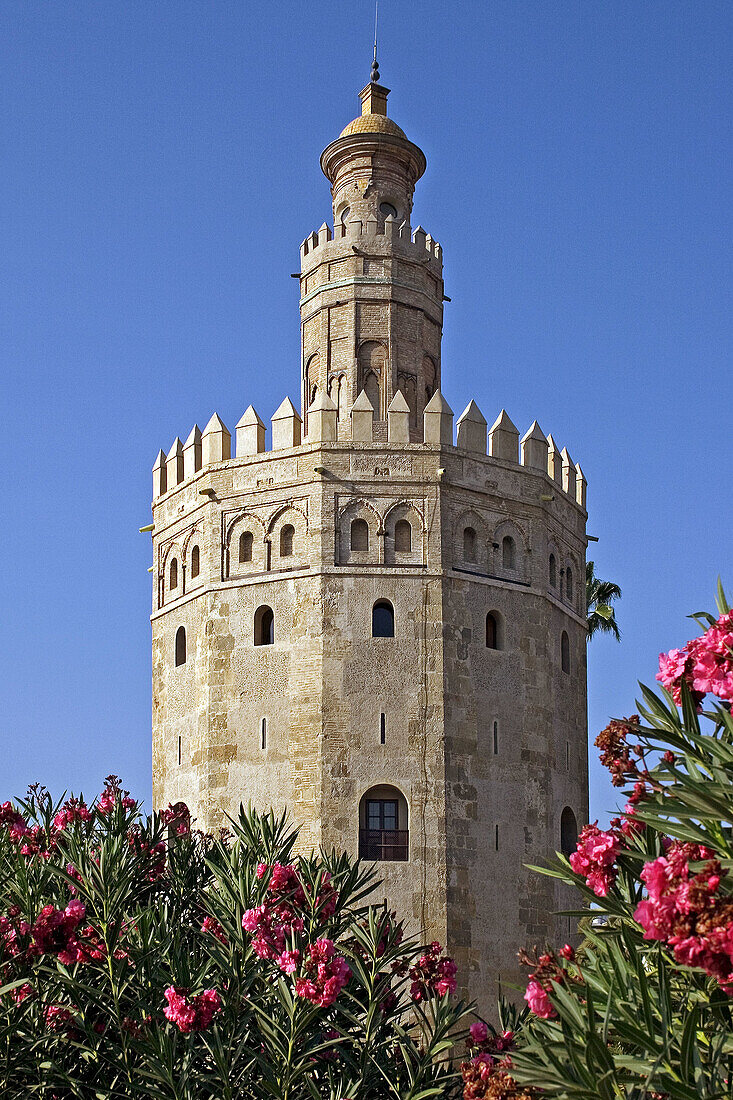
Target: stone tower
(373,622)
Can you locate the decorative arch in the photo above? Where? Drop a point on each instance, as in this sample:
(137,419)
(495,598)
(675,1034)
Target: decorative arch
(372,368)
(471,521)
(280,512)
(397,548)
(337,391)
(354,510)
(243,524)
(384,824)
(504,552)
(287,551)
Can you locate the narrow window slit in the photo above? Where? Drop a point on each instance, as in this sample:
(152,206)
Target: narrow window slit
(496,738)
(496,837)
(263,734)
(179,750)
(382,729)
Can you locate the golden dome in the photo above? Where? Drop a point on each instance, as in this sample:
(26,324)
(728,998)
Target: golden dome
(373,124)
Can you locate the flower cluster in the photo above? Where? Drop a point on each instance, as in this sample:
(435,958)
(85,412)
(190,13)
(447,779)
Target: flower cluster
(153,854)
(74,809)
(13,821)
(324,973)
(434,974)
(60,1019)
(484,1079)
(279,916)
(705,664)
(191,1013)
(594,858)
(212,926)
(112,795)
(547,970)
(12,928)
(486,1075)
(178,818)
(55,932)
(273,922)
(616,753)
(685,910)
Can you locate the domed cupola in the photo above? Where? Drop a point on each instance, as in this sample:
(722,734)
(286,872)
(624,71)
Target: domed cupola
(372,166)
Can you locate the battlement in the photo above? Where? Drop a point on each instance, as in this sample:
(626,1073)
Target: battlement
(355,229)
(534,451)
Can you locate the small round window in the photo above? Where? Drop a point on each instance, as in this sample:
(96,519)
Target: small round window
(386,209)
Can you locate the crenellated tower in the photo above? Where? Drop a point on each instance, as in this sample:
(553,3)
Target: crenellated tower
(372,288)
(374,617)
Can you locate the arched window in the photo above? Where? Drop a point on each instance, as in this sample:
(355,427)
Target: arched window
(264,626)
(173,574)
(494,631)
(195,562)
(403,536)
(359,534)
(565,651)
(372,362)
(286,540)
(553,571)
(469,544)
(383,825)
(568,832)
(245,546)
(383,619)
(181,646)
(387,210)
(569,584)
(508,553)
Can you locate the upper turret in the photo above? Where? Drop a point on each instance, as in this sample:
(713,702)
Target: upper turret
(372,288)
(372,166)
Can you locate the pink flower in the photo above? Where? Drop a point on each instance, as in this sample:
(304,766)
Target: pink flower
(434,974)
(325,974)
(479,1031)
(191,1013)
(538,1001)
(594,858)
(72,810)
(253,918)
(288,961)
(212,926)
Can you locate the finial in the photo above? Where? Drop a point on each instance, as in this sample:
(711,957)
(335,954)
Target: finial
(374,78)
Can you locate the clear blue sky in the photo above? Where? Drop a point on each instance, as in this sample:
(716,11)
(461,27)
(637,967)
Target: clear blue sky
(160,168)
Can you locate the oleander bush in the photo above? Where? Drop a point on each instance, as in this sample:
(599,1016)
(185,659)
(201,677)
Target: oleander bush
(642,1010)
(142,958)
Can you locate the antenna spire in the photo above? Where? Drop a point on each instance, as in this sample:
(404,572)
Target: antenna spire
(374,78)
